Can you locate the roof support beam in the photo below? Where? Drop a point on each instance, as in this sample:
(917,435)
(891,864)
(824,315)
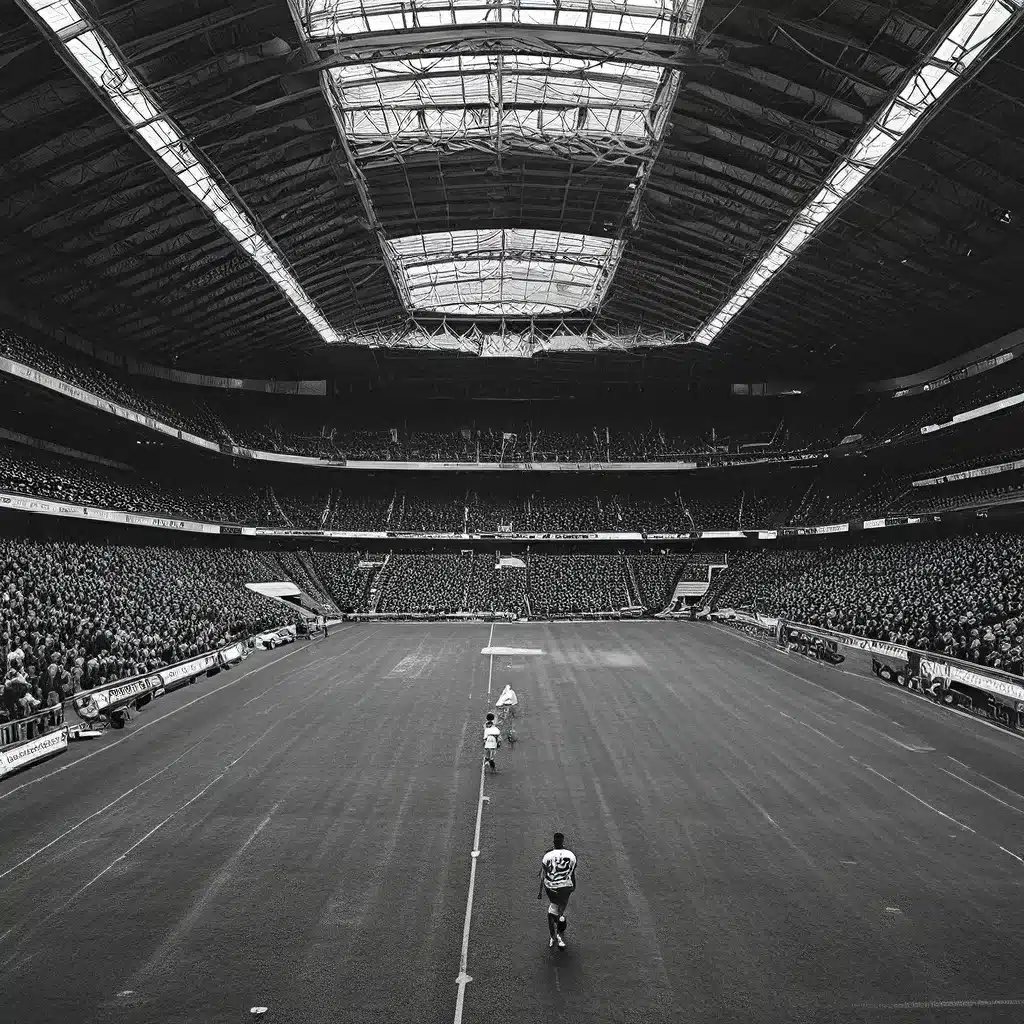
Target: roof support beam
(91,54)
(540,40)
(521,338)
(973,35)
(358,179)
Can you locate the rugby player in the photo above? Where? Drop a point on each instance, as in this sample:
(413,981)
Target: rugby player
(558,880)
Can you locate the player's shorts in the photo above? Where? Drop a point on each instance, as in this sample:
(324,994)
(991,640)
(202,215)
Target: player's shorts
(558,898)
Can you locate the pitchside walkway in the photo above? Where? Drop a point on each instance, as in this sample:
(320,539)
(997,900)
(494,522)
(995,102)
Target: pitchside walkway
(760,839)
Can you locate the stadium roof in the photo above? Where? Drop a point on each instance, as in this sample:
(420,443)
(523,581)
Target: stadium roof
(800,187)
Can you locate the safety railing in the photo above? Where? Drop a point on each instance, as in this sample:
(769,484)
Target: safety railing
(982,690)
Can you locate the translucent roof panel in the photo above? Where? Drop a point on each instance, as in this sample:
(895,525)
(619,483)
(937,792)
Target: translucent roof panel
(93,52)
(328,19)
(973,34)
(509,272)
(438,99)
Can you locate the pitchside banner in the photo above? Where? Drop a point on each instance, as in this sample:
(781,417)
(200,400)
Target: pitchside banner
(16,757)
(764,626)
(855,643)
(856,654)
(897,663)
(233,654)
(460,467)
(990,680)
(170,677)
(43,506)
(44,380)
(971,474)
(96,701)
(92,703)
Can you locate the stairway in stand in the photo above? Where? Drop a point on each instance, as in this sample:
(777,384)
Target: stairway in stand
(380,584)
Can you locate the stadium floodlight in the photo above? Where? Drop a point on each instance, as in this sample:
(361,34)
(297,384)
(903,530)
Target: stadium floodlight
(511,272)
(87,47)
(327,19)
(971,38)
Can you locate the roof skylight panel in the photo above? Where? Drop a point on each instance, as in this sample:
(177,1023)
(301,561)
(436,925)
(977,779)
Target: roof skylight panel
(473,96)
(493,288)
(58,15)
(411,248)
(502,271)
(87,48)
(327,19)
(973,34)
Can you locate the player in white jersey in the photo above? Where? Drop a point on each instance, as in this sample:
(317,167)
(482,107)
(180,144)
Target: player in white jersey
(492,740)
(558,880)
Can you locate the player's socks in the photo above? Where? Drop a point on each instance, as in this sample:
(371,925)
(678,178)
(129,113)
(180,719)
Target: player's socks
(552,922)
(562,923)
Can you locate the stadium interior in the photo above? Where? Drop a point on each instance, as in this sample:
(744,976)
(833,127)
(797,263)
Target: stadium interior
(657,345)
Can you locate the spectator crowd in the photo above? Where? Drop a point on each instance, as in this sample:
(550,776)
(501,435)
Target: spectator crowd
(76,615)
(960,596)
(739,430)
(415,503)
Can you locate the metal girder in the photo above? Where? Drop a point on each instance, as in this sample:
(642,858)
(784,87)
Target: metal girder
(521,339)
(540,40)
(91,54)
(636,152)
(783,158)
(955,58)
(155,44)
(613,150)
(733,103)
(57,267)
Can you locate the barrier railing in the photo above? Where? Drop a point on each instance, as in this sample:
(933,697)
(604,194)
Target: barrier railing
(427,616)
(980,689)
(46,732)
(21,730)
(112,701)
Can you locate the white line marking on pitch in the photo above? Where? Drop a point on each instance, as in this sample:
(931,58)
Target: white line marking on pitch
(999,785)
(985,792)
(464,979)
(510,650)
(887,687)
(913,796)
(136,730)
(309,664)
(811,682)
(490,664)
(117,860)
(913,748)
(74,896)
(127,792)
(811,727)
(797,849)
(208,892)
(941,1004)
(142,728)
